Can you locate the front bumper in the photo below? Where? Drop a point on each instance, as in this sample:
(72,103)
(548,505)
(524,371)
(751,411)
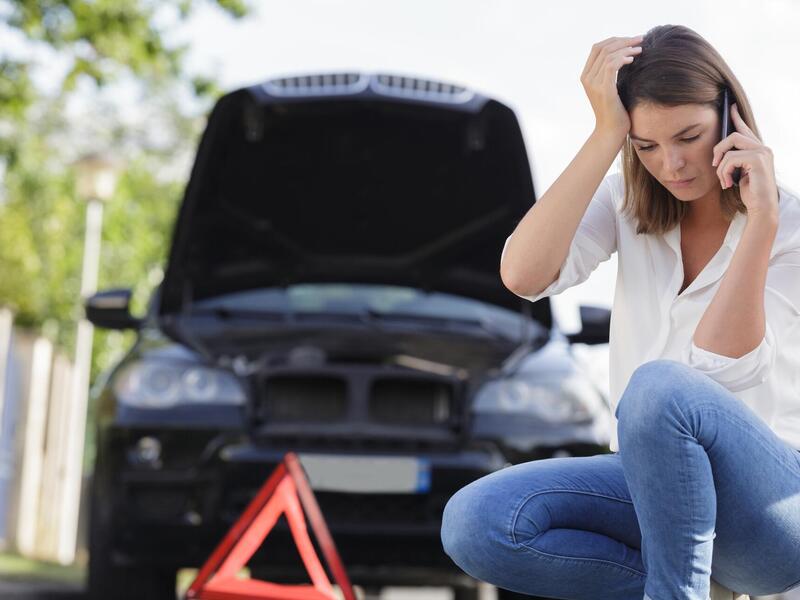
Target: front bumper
(175,515)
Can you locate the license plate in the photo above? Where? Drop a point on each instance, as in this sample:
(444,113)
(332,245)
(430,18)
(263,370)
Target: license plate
(367,474)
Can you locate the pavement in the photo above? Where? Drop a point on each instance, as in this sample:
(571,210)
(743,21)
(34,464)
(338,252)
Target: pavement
(22,590)
(27,590)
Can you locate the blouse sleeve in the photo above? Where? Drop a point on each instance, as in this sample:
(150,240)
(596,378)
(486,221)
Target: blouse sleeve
(782,331)
(594,242)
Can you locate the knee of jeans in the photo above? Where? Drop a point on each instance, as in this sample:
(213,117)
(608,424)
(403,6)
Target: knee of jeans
(471,528)
(650,392)
(457,524)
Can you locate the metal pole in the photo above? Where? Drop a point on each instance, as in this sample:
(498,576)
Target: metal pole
(80,387)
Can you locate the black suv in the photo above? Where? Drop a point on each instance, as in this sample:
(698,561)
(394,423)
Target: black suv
(333,289)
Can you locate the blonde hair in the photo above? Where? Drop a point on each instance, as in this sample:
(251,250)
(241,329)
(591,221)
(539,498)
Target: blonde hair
(676,66)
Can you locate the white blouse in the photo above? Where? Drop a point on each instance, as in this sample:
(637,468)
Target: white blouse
(650,320)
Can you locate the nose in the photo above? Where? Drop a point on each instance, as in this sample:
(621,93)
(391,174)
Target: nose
(674,163)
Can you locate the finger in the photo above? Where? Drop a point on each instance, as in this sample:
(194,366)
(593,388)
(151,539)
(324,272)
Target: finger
(742,159)
(723,165)
(739,123)
(608,68)
(607,47)
(611,45)
(619,59)
(736,140)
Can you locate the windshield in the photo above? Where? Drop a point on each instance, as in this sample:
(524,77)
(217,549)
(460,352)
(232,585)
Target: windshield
(358,299)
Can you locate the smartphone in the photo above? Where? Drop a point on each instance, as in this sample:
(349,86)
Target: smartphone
(727,129)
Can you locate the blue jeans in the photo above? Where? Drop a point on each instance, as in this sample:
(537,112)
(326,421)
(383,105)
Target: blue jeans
(700,488)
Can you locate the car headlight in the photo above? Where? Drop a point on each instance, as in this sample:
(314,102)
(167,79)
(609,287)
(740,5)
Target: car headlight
(570,400)
(159,384)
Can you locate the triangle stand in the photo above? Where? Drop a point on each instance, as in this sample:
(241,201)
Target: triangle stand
(288,492)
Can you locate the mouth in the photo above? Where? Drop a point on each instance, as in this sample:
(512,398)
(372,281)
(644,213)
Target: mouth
(681,182)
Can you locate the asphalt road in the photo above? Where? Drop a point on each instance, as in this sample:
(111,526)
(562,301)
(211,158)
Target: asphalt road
(40,591)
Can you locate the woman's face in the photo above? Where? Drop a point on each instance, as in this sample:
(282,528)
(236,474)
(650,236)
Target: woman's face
(676,143)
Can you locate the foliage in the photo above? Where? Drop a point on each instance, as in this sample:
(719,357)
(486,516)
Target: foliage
(102,43)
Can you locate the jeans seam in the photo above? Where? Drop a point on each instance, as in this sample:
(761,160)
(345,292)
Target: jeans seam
(687,576)
(744,426)
(582,559)
(684,479)
(791,587)
(515,515)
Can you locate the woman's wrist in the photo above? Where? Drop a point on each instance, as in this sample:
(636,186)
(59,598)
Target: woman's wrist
(610,138)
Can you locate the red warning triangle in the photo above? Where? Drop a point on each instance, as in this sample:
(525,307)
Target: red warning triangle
(287,492)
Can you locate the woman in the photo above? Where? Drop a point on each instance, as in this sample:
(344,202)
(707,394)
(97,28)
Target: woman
(703,480)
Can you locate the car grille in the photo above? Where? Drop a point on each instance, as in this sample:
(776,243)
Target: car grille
(410,402)
(326,399)
(415,86)
(330,84)
(359,510)
(354,509)
(358,445)
(155,504)
(312,85)
(305,399)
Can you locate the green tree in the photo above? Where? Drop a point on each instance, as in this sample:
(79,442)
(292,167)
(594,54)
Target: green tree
(102,42)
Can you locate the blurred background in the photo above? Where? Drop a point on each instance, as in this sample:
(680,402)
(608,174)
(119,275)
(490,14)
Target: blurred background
(102,104)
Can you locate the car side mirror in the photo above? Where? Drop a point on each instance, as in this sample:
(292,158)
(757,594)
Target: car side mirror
(110,309)
(595,326)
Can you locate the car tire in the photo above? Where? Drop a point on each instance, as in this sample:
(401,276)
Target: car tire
(107,581)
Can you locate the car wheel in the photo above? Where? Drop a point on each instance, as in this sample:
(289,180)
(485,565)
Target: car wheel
(107,581)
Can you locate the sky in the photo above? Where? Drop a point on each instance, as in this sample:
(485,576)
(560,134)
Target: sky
(528,54)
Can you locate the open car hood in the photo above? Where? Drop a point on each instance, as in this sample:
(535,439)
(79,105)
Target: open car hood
(351,178)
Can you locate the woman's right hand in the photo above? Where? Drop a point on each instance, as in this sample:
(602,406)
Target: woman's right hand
(599,79)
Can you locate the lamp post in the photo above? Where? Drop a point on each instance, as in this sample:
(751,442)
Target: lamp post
(96,178)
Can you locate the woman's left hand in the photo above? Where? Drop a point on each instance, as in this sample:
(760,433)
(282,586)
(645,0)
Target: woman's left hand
(743,149)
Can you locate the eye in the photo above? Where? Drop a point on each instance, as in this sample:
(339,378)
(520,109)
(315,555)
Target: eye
(691,139)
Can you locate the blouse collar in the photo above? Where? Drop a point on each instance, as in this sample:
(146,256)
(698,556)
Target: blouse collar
(716,267)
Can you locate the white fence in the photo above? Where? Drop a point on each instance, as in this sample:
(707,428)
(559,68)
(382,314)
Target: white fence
(35,413)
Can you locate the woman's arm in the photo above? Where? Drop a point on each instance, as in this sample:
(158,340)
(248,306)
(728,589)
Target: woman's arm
(540,243)
(734,322)
(541,240)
